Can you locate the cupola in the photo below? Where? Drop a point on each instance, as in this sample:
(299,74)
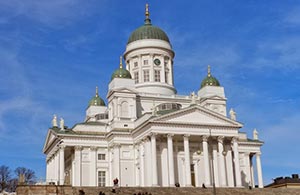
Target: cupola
(209,79)
(96,100)
(121,72)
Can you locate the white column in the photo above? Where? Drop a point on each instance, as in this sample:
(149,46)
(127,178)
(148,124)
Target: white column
(222,161)
(171,161)
(215,165)
(259,171)
(61,165)
(78,165)
(248,168)
(196,171)
(252,172)
(56,165)
(238,179)
(163,70)
(140,68)
(187,160)
(206,161)
(229,167)
(142,164)
(151,72)
(93,166)
(154,160)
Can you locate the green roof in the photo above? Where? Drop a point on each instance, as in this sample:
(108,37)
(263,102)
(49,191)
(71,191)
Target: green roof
(121,73)
(147,31)
(209,80)
(96,100)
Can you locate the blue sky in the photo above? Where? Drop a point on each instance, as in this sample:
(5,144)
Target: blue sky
(54,53)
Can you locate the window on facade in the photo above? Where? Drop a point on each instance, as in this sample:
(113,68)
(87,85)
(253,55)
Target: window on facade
(136,77)
(101,178)
(146,76)
(145,62)
(101,156)
(157,76)
(135,64)
(101,116)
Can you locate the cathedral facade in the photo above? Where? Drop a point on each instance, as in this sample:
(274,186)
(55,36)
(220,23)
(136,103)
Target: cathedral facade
(148,135)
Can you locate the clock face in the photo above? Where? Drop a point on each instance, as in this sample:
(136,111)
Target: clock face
(157,62)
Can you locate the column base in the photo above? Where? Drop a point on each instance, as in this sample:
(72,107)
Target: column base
(155,185)
(189,185)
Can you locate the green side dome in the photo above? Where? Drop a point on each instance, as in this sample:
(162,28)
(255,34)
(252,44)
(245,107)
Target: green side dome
(209,80)
(147,31)
(121,73)
(96,100)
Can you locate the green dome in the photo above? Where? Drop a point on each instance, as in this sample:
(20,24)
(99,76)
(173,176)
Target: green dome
(147,31)
(209,80)
(96,100)
(121,73)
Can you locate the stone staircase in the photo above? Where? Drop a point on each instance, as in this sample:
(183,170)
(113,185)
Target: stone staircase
(68,190)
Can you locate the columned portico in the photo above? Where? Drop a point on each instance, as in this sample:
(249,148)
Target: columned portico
(154,160)
(171,160)
(238,181)
(187,160)
(206,161)
(259,171)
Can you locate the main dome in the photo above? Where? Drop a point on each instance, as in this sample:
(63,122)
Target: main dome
(147,31)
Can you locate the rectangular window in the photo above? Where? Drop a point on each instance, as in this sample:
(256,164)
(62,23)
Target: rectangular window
(135,64)
(146,76)
(136,77)
(145,62)
(101,156)
(157,76)
(101,178)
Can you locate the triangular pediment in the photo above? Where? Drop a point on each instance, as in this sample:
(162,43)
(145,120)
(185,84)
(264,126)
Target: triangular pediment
(51,137)
(197,115)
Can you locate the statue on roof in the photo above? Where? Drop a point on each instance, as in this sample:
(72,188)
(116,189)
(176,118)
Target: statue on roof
(62,124)
(54,121)
(232,114)
(255,134)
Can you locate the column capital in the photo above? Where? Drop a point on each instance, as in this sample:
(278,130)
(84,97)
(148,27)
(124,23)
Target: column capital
(186,135)
(153,134)
(258,153)
(234,139)
(62,147)
(78,148)
(170,135)
(94,148)
(220,139)
(205,138)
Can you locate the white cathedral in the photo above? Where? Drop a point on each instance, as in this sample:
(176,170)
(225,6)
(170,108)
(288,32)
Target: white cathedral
(147,135)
